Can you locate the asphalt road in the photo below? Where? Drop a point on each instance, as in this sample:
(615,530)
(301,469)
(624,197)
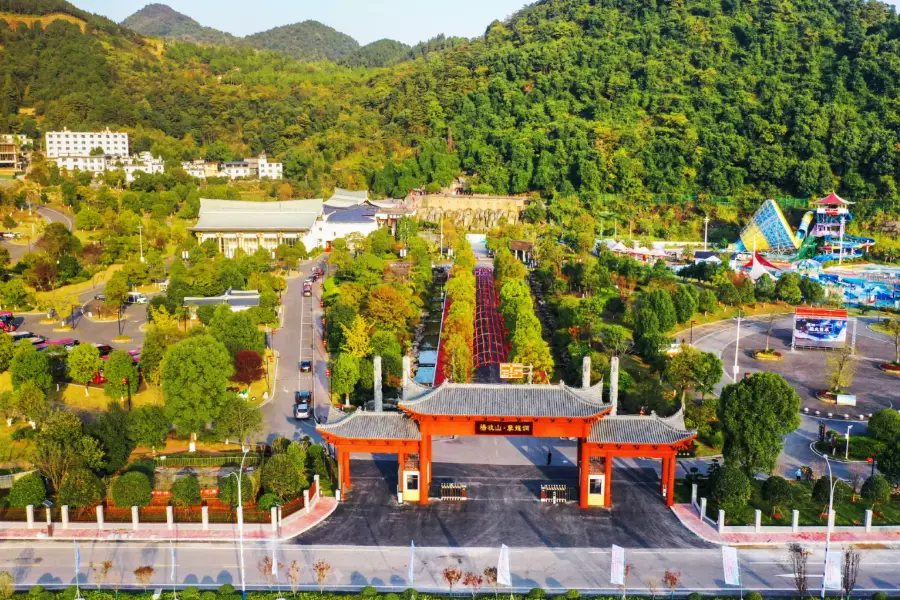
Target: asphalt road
(806,370)
(555,569)
(17,251)
(300,334)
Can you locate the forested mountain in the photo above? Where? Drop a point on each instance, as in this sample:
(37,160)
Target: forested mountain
(159,20)
(309,40)
(381,53)
(46,7)
(638,98)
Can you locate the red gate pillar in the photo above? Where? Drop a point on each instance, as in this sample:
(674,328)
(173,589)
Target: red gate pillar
(346,470)
(664,474)
(401,461)
(424,468)
(585,472)
(670,492)
(607,481)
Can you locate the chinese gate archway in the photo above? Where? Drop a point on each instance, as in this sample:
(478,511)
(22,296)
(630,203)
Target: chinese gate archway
(460,409)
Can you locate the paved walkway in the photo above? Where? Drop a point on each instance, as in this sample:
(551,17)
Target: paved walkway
(291,527)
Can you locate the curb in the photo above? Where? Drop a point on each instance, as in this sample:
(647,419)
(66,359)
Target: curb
(812,446)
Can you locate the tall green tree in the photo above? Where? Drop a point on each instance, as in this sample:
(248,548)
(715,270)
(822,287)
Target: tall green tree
(30,365)
(236,331)
(122,378)
(83,363)
(195,376)
(238,420)
(756,413)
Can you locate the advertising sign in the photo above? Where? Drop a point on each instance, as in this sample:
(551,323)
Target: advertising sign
(617,566)
(511,371)
(491,428)
(833,571)
(730,565)
(846,400)
(820,329)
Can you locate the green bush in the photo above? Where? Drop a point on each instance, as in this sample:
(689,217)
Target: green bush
(573,595)
(24,433)
(368,592)
(753,596)
(267,501)
(392,596)
(537,593)
(226,589)
(879,596)
(885,425)
(132,489)
(186,491)
(190,593)
(876,489)
(207,595)
(730,489)
(694,596)
(26,490)
(822,489)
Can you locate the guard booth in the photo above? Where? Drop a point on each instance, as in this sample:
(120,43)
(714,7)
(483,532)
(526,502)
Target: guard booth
(410,479)
(596,495)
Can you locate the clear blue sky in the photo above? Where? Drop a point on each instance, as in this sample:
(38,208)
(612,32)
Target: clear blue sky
(409,21)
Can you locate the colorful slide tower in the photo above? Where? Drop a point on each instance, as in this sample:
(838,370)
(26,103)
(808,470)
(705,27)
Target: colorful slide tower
(768,232)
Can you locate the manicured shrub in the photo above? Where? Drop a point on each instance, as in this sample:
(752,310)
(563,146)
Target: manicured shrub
(537,593)
(694,596)
(26,490)
(368,592)
(81,489)
(885,425)
(822,490)
(753,596)
(776,491)
(573,595)
(731,489)
(186,491)
(226,589)
(879,596)
(267,501)
(876,490)
(132,489)
(392,596)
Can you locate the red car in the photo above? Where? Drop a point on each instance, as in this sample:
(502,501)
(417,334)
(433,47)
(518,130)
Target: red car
(7,322)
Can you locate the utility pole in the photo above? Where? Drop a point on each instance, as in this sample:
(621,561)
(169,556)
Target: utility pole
(442,236)
(141,234)
(705,231)
(847,446)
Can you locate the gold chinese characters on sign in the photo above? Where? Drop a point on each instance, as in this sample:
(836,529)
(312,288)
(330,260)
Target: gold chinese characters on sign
(490,428)
(511,371)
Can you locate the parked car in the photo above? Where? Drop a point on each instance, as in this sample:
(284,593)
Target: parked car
(100,297)
(105,349)
(7,322)
(302,410)
(305,366)
(20,335)
(137,298)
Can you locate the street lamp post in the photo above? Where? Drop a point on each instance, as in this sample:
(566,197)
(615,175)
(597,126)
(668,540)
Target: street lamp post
(705,231)
(833,483)
(141,237)
(239,475)
(847,446)
(737,343)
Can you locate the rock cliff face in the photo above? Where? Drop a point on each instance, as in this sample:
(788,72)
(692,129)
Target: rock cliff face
(469,219)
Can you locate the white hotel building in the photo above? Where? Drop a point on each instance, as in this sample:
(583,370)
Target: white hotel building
(81,143)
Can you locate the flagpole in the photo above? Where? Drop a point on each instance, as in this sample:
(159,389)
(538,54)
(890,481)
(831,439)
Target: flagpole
(172,574)
(77,568)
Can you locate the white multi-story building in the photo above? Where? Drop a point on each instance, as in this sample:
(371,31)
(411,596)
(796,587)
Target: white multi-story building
(145,162)
(234,170)
(82,143)
(268,170)
(94,164)
(12,155)
(201,169)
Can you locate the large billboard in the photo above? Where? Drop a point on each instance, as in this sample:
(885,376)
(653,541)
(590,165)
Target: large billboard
(825,327)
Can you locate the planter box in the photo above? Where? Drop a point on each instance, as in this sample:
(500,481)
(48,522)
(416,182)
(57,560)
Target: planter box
(890,368)
(770,356)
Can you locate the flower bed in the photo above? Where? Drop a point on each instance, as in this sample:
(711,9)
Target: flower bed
(892,368)
(768,355)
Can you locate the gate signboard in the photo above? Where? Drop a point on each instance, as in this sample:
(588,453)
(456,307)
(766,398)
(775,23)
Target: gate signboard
(493,428)
(512,371)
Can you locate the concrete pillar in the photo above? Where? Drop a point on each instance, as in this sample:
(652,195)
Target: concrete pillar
(100,516)
(318,485)
(240,517)
(170,517)
(868,521)
(406,369)
(831,520)
(279,515)
(702,508)
(337,495)
(693,493)
(795,521)
(586,372)
(274,516)
(29,516)
(614,384)
(757,516)
(721,521)
(64,510)
(379,399)
(135,518)
(306,501)
(204,515)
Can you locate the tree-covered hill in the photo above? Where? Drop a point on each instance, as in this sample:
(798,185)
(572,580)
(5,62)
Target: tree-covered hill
(380,53)
(46,7)
(309,40)
(159,20)
(640,98)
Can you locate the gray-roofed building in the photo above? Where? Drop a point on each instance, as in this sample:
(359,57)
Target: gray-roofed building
(347,198)
(377,425)
(238,300)
(640,430)
(247,225)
